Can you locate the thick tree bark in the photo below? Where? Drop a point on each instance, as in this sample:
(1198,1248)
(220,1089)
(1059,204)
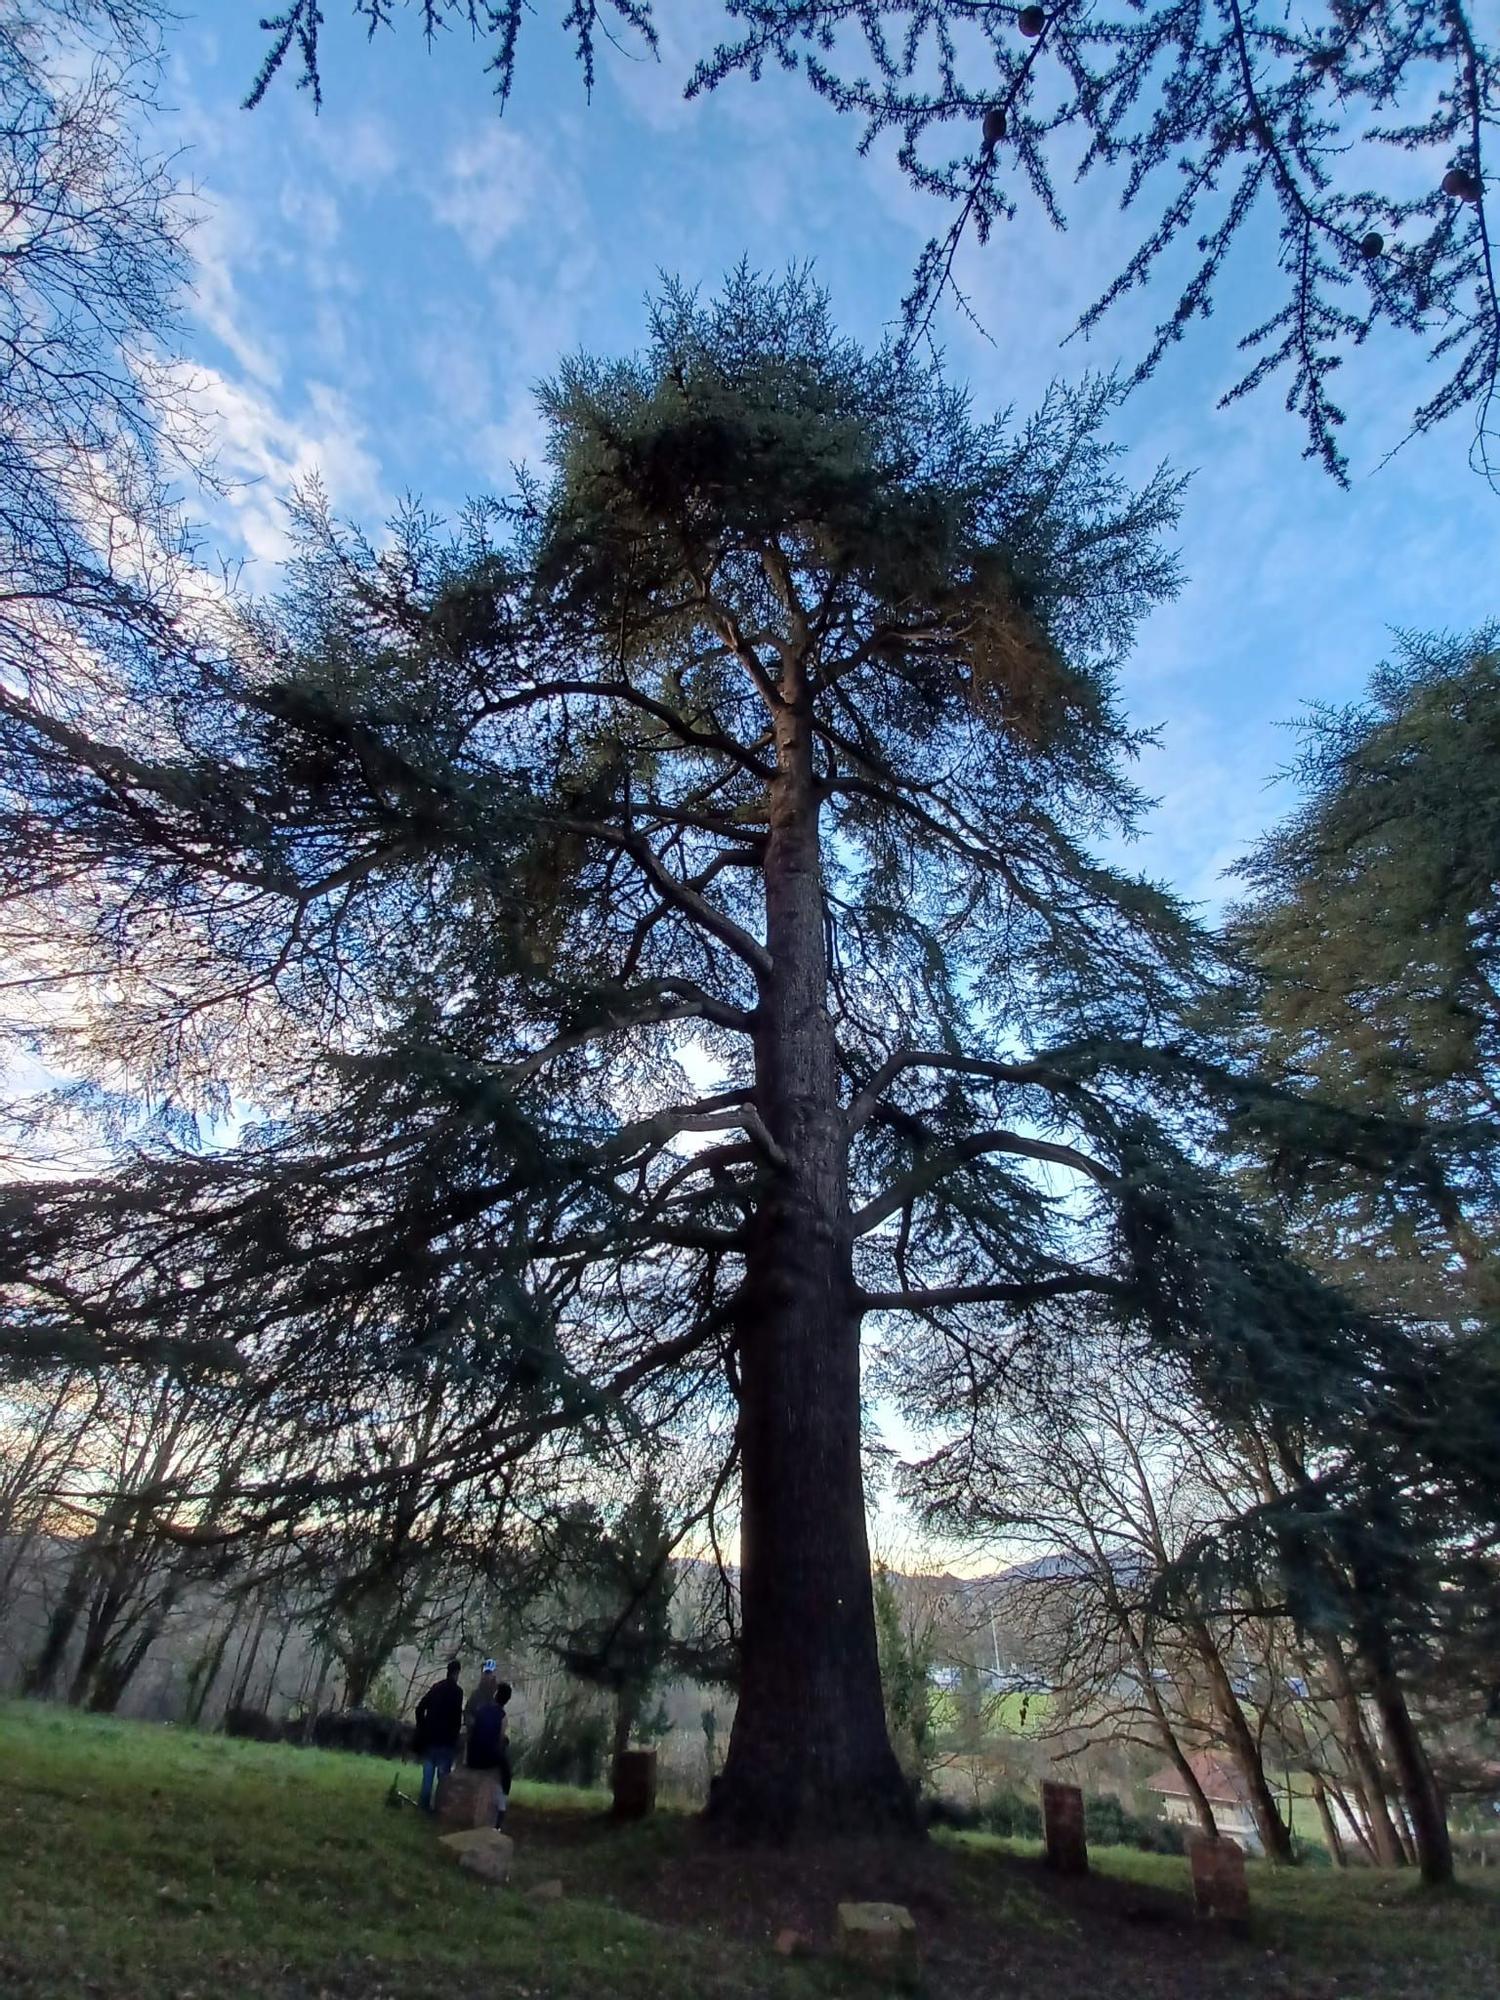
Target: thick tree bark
(809,1749)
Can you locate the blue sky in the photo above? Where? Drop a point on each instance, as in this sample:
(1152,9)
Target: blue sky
(379,285)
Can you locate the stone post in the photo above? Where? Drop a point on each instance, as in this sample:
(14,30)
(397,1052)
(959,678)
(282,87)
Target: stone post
(880,1938)
(1220,1891)
(466,1799)
(635,1784)
(1062,1827)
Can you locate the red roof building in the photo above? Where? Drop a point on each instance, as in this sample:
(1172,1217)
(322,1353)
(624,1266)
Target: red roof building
(1224,1788)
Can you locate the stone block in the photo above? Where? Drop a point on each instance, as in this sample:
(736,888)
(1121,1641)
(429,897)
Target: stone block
(791,1944)
(483,1852)
(1220,1891)
(547,1892)
(1062,1829)
(635,1784)
(467,1799)
(881,1937)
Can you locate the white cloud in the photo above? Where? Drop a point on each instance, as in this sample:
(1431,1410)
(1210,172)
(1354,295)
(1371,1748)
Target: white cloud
(487,188)
(361,151)
(223,242)
(312,212)
(264,452)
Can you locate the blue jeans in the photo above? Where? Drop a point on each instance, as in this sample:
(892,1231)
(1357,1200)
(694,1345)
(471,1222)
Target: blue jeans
(437,1764)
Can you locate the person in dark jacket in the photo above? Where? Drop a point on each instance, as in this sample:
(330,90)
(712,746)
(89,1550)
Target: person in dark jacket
(489,1745)
(440,1724)
(484,1690)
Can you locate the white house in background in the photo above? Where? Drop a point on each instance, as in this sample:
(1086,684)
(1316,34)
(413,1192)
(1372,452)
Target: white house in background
(1224,1789)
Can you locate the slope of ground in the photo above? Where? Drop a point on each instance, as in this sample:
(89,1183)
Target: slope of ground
(157,1864)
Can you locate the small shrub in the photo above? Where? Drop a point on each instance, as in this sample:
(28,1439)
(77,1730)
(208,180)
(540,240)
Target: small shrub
(362,1732)
(568,1749)
(252,1723)
(1108,1824)
(1111,1824)
(960,1814)
(1009,1814)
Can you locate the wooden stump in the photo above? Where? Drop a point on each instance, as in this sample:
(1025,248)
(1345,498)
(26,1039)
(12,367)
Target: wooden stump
(1220,1891)
(635,1784)
(1062,1828)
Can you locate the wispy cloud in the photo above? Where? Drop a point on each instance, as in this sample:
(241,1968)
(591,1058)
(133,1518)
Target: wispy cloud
(266,449)
(487,188)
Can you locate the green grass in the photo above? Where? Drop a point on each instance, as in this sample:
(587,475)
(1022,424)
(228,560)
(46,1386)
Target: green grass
(148,1863)
(1372,1935)
(1004,1715)
(151,1862)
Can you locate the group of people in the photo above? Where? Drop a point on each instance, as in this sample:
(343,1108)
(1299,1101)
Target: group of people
(445,1720)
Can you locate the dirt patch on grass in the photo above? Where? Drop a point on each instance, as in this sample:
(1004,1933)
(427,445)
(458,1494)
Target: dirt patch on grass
(989,1923)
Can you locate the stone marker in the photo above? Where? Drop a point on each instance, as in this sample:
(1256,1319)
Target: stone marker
(466,1799)
(635,1784)
(1062,1826)
(482,1851)
(791,1944)
(547,1892)
(881,1937)
(1220,1891)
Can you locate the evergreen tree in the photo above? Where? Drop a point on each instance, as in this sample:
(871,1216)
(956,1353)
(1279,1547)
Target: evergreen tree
(1373,927)
(624,1569)
(662,922)
(1372,932)
(1213,119)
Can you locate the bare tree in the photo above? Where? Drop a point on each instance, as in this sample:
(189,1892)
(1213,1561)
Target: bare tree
(94,415)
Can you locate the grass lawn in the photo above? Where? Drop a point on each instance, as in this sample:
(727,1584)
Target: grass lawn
(149,1862)
(1005,1714)
(146,1863)
(1355,1932)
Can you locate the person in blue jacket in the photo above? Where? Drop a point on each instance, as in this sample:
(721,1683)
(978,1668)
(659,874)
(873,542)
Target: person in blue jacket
(489,1745)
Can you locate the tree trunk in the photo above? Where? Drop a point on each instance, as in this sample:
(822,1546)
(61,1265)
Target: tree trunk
(809,1749)
(1330,1830)
(1423,1799)
(1359,1821)
(118,1666)
(1203,1810)
(109,1599)
(268,1697)
(626,1707)
(1275,1834)
(205,1670)
(244,1665)
(63,1622)
(1368,1776)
